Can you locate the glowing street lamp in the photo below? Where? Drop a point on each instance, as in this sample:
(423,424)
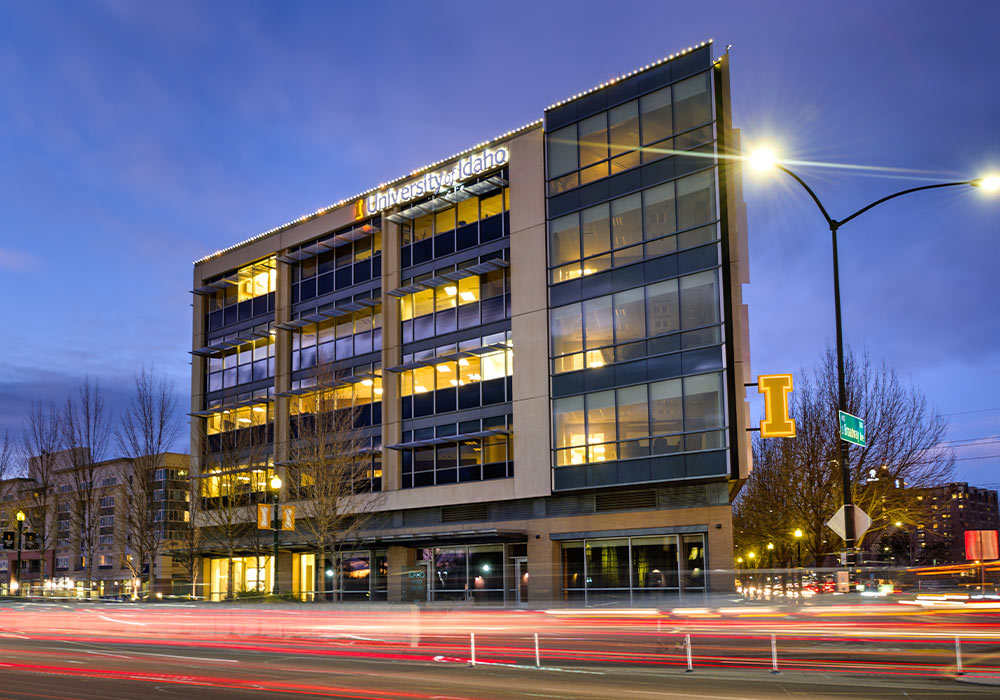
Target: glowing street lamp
(765,159)
(20,529)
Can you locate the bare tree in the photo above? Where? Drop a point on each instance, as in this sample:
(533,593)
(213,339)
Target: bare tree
(329,469)
(87,430)
(41,438)
(233,478)
(146,432)
(7,455)
(796,482)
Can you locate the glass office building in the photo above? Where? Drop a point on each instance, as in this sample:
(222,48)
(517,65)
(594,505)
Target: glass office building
(542,346)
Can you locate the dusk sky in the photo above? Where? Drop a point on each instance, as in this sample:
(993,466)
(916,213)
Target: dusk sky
(136,137)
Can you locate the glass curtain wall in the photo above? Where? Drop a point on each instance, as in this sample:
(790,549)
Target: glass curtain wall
(633,570)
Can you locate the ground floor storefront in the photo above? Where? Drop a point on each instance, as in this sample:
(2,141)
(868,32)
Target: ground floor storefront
(622,559)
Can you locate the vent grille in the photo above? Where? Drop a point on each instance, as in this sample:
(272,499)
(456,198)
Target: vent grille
(625,500)
(684,497)
(464,513)
(569,505)
(423,516)
(512,510)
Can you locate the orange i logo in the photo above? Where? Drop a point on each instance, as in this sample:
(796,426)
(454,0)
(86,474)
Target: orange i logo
(359,210)
(775,388)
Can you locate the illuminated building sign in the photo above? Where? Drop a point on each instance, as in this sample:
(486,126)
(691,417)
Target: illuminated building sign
(439,181)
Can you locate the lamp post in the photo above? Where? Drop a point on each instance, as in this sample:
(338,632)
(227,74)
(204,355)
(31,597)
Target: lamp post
(764,159)
(276,520)
(20,530)
(798,560)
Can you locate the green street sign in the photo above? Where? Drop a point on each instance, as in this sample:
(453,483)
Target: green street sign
(852,429)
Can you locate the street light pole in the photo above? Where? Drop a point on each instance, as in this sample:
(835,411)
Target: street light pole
(276,522)
(20,530)
(990,184)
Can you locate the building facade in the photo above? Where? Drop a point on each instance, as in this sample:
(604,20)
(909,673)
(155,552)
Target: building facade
(73,513)
(953,509)
(543,344)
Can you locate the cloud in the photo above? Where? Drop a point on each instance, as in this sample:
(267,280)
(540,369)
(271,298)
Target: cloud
(18,260)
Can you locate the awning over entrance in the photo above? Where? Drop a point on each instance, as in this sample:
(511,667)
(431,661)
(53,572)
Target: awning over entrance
(423,539)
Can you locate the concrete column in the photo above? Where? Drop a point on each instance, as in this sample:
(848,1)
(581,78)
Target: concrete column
(396,559)
(544,569)
(282,360)
(391,354)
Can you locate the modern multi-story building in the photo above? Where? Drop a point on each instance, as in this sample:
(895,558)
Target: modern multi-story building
(543,341)
(83,513)
(953,509)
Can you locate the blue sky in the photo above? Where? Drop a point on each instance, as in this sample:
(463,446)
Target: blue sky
(136,137)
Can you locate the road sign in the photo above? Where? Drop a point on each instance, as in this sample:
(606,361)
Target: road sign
(861,523)
(775,388)
(852,429)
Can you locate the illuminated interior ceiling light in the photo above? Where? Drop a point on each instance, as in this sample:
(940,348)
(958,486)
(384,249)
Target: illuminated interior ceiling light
(468,296)
(259,409)
(454,382)
(451,290)
(463,362)
(420,388)
(367,382)
(443,368)
(378,391)
(596,363)
(243,420)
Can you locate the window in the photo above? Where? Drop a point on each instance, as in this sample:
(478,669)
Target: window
(339,338)
(469,456)
(632,569)
(249,293)
(612,328)
(674,216)
(469,223)
(350,256)
(229,419)
(468,302)
(62,563)
(107,520)
(107,501)
(104,561)
(641,130)
(676,415)
(249,362)
(459,376)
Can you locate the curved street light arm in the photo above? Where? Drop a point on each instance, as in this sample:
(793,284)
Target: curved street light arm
(812,194)
(861,211)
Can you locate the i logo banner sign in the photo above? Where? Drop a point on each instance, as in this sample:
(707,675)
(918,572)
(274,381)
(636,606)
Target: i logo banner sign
(777,422)
(265,515)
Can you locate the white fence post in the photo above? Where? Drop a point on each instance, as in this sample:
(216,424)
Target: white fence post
(538,661)
(472,643)
(958,656)
(774,655)
(687,645)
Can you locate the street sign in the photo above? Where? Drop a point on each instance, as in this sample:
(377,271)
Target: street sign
(287,517)
(264,516)
(775,388)
(981,545)
(861,523)
(852,429)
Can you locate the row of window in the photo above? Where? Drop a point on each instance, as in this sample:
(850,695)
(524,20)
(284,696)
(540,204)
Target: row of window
(474,459)
(246,284)
(612,141)
(454,229)
(343,256)
(640,420)
(612,234)
(606,329)
(340,338)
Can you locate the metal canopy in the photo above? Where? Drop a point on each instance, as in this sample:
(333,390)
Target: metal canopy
(448,439)
(328,314)
(450,357)
(448,277)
